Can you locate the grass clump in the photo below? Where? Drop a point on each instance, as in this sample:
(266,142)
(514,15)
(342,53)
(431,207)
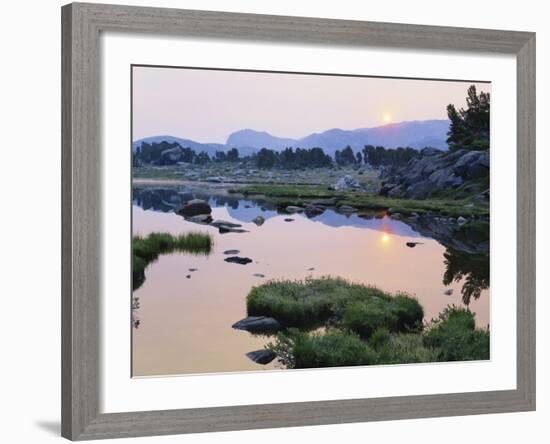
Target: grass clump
(309,303)
(397,314)
(406,348)
(456,337)
(147,249)
(314,350)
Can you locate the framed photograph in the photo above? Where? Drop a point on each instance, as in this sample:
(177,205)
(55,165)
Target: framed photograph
(279,221)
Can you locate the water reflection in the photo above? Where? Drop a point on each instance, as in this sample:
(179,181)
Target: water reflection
(472,268)
(170,310)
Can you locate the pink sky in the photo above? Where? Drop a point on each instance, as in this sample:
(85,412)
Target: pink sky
(207,106)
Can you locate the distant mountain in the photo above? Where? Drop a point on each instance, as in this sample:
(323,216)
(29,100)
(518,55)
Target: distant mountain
(258,140)
(210,148)
(415,134)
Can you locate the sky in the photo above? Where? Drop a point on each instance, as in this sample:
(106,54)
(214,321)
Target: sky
(207,105)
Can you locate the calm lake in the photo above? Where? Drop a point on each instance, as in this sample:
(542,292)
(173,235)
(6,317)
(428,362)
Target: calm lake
(185,317)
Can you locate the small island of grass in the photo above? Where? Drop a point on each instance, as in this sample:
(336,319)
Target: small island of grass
(147,249)
(361,325)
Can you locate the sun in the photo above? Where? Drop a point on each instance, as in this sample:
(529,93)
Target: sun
(387,117)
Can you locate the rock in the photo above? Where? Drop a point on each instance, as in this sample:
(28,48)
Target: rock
(347,209)
(224,230)
(223,223)
(169,156)
(238,260)
(413,244)
(448,292)
(215,179)
(347,183)
(312,211)
(194,207)
(395,191)
(259,220)
(188,276)
(232,252)
(260,275)
(294,209)
(193,269)
(257,324)
(425,152)
(461,220)
(328,202)
(435,171)
(288,219)
(311,269)
(204,219)
(263,356)
(396,216)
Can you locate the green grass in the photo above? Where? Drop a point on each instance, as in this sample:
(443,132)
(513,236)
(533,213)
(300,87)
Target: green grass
(309,303)
(331,349)
(287,191)
(406,348)
(396,314)
(147,249)
(282,195)
(361,326)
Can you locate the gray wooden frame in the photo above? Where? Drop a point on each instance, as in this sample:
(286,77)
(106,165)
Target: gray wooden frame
(81,232)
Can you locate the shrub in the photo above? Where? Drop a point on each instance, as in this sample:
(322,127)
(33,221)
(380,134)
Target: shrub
(456,337)
(312,350)
(409,313)
(379,338)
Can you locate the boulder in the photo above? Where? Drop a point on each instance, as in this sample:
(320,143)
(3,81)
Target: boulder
(259,220)
(263,356)
(194,207)
(312,210)
(294,209)
(223,223)
(224,230)
(258,324)
(238,260)
(347,183)
(232,252)
(347,209)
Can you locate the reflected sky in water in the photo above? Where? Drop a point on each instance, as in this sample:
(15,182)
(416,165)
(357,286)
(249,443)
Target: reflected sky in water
(185,317)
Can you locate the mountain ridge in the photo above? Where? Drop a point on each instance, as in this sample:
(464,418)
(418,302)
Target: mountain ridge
(413,133)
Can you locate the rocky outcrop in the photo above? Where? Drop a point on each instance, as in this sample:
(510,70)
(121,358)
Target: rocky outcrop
(434,172)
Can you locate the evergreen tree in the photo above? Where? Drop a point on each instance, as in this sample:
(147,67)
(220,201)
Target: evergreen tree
(469,127)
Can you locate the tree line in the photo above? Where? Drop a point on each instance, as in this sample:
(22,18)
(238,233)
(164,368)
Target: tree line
(165,153)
